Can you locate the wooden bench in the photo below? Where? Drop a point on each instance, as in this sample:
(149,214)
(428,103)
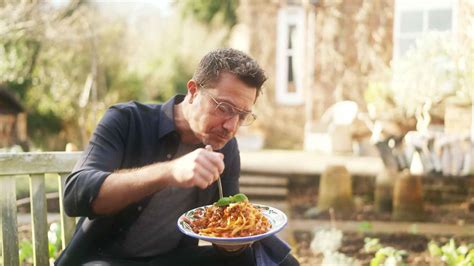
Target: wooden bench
(264,189)
(35,166)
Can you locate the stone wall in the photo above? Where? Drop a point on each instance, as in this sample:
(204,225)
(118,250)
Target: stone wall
(352,39)
(466,21)
(282,125)
(353,43)
(353,46)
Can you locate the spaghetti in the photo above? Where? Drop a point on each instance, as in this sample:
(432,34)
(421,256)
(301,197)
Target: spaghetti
(234,220)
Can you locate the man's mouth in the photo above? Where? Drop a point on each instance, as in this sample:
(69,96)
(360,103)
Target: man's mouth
(223,137)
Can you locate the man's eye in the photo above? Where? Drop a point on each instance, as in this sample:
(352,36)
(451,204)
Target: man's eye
(243,116)
(226,109)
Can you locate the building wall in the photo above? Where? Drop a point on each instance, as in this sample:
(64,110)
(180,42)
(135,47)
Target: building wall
(466,35)
(353,42)
(466,21)
(353,45)
(282,126)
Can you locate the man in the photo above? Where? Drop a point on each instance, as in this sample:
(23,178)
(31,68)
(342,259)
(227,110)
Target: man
(147,164)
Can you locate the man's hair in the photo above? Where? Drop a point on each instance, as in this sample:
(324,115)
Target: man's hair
(228,60)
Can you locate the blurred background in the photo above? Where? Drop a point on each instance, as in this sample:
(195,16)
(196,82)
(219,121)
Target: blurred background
(399,63)
(368,103)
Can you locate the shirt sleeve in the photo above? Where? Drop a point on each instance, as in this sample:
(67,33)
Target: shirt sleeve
(103,155)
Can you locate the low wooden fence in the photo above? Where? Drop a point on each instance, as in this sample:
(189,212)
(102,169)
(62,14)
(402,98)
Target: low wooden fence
(35,166)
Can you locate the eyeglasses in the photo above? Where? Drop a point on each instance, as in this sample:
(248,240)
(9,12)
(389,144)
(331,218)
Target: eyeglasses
(227,111)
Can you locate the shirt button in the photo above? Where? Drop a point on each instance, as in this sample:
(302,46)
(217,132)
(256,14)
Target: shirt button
(168,156)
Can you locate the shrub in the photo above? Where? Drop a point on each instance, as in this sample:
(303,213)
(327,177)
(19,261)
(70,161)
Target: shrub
(453,255)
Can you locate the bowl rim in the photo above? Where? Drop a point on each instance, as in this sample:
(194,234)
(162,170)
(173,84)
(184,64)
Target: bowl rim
(243,239)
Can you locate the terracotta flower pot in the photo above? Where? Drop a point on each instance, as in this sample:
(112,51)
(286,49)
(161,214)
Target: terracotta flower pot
(408,198)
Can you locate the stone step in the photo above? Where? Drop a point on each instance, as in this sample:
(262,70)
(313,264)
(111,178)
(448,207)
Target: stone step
(263,180)
(272,192)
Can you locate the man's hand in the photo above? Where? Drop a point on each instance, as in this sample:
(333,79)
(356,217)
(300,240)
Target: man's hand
(199,168)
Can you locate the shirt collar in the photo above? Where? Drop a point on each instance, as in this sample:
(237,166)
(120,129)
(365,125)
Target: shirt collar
(167,116)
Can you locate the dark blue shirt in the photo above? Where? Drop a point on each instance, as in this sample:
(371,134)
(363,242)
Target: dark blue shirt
(133,135)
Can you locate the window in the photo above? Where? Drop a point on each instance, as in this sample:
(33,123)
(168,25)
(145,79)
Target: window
(413,18)
(289,61)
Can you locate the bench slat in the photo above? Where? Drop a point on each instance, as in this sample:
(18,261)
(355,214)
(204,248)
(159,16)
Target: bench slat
(37,163)
(9,231)
(39,220)
(68,224)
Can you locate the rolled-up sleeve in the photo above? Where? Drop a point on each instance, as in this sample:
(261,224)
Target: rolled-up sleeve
(103,155)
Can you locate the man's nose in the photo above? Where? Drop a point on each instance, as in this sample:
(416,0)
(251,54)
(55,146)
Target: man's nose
(232,123)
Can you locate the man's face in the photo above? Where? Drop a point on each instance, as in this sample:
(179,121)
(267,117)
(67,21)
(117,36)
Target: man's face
(208,122)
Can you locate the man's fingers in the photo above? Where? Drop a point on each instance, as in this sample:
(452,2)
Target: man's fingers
(210,167)
(217,160)
(205,174)
(220,162)
(201,168)
(200,182)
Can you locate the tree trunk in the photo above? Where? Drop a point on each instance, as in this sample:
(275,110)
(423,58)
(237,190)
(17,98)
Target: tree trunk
(408,198)
(335,189)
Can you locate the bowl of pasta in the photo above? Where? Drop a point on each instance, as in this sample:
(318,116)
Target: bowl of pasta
(229,222)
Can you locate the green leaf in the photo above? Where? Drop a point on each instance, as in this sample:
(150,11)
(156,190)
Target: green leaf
(372,245)
(26,252)
(434,249)
(239,198)
(206,11)
(379,259)
(223,202)
(364,226)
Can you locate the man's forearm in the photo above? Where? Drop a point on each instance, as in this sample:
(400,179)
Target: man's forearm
(125,187)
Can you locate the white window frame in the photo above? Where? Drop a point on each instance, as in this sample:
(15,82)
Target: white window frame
(420,5)
(289,16)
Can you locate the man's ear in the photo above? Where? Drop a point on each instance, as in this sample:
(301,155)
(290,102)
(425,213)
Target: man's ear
(192,89)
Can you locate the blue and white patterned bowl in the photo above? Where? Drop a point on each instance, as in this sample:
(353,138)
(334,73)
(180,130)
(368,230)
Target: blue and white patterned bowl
(277,219)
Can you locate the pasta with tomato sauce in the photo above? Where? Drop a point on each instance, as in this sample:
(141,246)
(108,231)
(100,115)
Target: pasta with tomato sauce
(234,220)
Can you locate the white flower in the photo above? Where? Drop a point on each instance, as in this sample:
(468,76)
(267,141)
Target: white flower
(52,233)
(326,241)
(339,259)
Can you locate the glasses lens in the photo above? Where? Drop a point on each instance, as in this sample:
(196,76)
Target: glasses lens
(247,119)
(226,110)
